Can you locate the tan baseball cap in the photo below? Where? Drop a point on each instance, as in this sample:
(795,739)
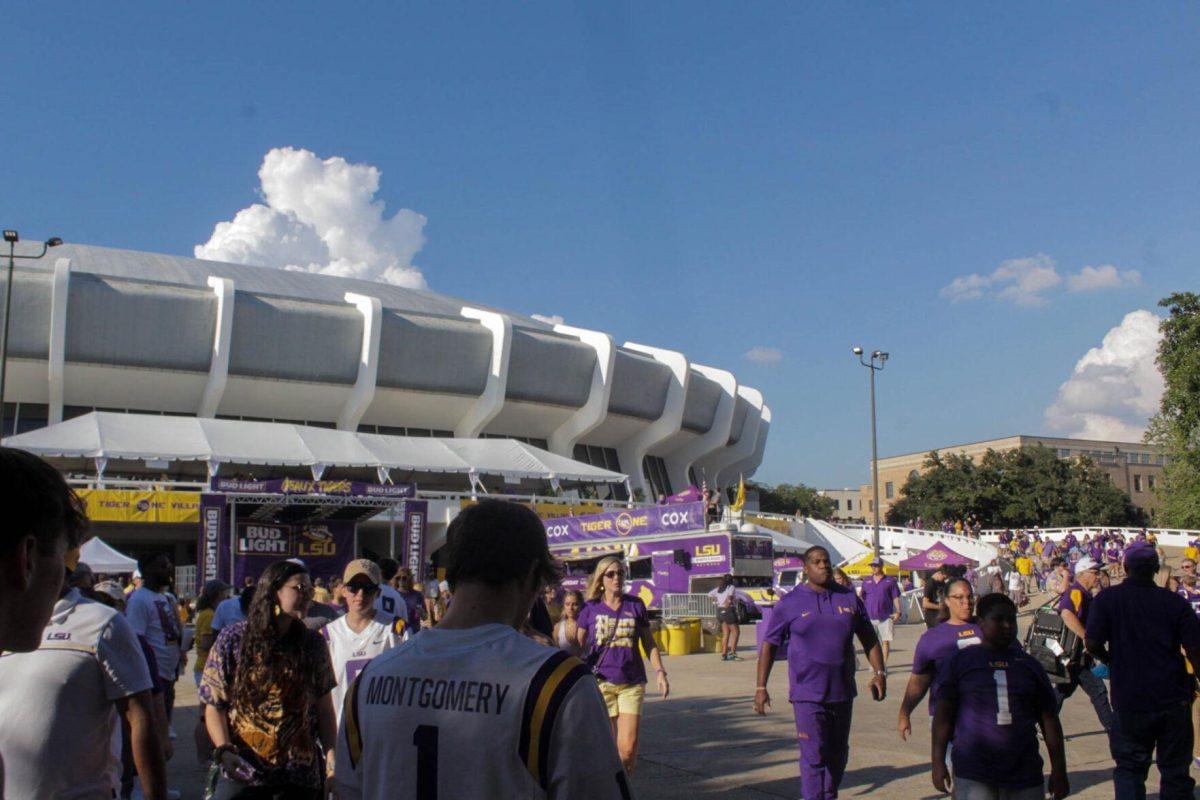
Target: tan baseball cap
(361,566)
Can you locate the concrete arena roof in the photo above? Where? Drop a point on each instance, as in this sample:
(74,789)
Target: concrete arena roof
(109,329)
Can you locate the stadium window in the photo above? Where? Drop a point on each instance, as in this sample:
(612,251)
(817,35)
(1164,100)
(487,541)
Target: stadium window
(889,489)
(389,430)
(1064,452)
(837,504)
(1137,483)
(871,506)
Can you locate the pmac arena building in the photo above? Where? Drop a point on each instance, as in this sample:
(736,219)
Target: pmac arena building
(96,328)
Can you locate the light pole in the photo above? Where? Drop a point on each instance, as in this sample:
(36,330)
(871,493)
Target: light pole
(882,358)
(12,238)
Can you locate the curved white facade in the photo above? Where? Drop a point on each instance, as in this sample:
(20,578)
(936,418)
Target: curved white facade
(98,328)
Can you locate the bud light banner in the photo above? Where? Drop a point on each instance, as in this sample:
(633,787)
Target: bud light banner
(416,515)
(627,523)
(325,547)
(386,491)
(212,551)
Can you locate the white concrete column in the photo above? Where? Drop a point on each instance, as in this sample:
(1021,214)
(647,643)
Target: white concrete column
(726,463)
(218,367)
(488,405)
(749,465)
(589,416)
(368,362)
(631,452)
(57,353)
(681,459)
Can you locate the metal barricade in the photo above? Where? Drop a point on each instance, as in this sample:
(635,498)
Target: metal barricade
(678,606)
(185,581)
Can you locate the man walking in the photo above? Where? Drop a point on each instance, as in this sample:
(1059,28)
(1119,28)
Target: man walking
(153,617)
(821,618)
(1141,631)
(471,708)
(1074,607)
(881,597)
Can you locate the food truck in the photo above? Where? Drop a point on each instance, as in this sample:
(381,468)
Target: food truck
(666,549)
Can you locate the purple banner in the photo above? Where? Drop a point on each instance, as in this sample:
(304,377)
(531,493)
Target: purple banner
(212,551)
(688,495)
(627,523)
(325,547)
(416,514)
(387,491)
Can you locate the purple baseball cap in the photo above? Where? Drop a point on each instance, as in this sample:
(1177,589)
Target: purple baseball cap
(1141,555)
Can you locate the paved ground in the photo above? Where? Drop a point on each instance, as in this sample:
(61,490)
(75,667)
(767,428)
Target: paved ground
(706,742)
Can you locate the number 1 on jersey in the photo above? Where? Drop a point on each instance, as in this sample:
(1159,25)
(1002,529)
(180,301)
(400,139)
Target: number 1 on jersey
(425,739)
(1003,712)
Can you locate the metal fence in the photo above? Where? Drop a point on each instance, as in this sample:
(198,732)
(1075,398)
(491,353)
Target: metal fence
(185,581)
(675,606)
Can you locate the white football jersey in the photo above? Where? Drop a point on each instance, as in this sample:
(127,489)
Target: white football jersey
(390,601)
(477,713)
(351,651)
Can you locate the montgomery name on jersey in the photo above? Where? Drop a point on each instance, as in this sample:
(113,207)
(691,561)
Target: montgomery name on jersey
(477,712)
(350,652)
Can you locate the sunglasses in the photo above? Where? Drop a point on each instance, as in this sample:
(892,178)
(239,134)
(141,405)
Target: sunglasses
(355,588)
(614,573)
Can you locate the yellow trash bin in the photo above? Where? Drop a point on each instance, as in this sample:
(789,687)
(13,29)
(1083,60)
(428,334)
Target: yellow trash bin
(678,642)
(693,629)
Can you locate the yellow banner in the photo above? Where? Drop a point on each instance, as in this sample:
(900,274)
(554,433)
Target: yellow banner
(555,510)
(125,505)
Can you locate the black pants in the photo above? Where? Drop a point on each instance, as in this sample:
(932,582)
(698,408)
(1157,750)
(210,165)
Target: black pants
(1164,734)
(1097,692)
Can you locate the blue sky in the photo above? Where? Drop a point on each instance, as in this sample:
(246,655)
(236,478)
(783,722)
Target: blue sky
(706,177)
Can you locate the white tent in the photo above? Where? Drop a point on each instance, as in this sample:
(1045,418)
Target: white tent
(105,436)
(102,557)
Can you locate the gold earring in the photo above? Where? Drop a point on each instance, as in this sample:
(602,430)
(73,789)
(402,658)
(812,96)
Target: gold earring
(278,610)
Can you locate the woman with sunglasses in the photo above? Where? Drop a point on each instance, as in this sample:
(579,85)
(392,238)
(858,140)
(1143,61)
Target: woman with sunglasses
(364,631)
(614,623)
(956,631)
(266,694)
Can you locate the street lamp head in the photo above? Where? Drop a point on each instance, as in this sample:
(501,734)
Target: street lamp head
(883,356)
(857,351)
(53,241)
(11,237)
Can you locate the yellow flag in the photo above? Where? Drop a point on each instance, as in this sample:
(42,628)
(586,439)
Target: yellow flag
(740,500)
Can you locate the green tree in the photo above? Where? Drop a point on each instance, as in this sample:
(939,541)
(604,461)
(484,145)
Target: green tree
(787,498)
(1017,488)
(1176,426)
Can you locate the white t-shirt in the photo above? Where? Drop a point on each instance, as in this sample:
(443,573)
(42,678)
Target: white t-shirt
(723,597)
(59,735)
(1014,580)
(480,712)
(391,602)
(351,651)
(151,615)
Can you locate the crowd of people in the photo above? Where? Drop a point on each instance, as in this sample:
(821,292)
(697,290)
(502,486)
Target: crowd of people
(352,685)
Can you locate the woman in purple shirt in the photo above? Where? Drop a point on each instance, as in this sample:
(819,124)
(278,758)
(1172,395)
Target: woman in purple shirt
(614,624)
(992,698)
(957,631)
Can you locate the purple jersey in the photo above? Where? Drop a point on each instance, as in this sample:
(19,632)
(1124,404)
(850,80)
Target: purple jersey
(1076,599)
(615,634)
(999,696)
(1192,596)
(821,626)
(935,647)
(880,598)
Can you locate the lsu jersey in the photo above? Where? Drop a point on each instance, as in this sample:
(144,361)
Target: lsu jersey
(477,712)
(350,651)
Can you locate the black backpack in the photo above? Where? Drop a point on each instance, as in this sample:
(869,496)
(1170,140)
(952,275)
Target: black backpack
(1053,645)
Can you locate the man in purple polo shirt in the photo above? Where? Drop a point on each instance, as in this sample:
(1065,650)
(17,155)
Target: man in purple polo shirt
(881,597)
(1141,631)
(1074,606)
(821,619)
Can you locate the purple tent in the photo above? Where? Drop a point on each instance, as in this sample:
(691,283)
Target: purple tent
(937,556)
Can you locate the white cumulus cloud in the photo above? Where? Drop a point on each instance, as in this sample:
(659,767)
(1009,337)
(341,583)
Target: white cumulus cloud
(321,216)
(551,319)
(1023,281)
(1115,388)
(1106,276)
(764,355)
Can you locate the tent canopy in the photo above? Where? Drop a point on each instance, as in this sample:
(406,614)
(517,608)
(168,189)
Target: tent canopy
(104,436)
(862,567)
(938,555)
(102,557)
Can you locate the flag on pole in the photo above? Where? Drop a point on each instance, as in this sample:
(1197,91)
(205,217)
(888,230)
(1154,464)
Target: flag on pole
(740,500)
